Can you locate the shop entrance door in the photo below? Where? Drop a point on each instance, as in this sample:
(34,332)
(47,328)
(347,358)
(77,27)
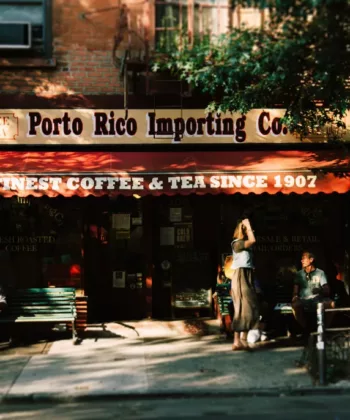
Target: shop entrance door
(185,255)
(96,263)
(113,262)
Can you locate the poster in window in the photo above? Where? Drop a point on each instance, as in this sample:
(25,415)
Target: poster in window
(132,281)
(183,235)
(119,279)
(121,224)
(167,236)
(175,214)
(136,221)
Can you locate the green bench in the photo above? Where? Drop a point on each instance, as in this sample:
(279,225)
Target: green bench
(44,305)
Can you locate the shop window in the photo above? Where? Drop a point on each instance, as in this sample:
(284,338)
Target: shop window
(25,29)
(40,242)
(177,19)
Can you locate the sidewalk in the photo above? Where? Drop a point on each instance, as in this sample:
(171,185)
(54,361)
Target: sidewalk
(149,358)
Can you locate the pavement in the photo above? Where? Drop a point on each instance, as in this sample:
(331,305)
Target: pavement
(320,407)
(150,358)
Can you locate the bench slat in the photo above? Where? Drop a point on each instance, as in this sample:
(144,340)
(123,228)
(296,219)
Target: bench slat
(43,293)
(33,310)
(40,289)
(44,306)
(31,316)
(36,319)
(41,299)
(40,303)
(48,295)
(44,296)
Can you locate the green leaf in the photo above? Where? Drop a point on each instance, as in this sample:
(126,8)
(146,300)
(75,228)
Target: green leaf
(295,61)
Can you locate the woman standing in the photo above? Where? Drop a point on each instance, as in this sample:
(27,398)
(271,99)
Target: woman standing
(245,300)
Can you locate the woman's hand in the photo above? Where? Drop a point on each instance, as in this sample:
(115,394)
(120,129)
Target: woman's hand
(248,231)
(246,223)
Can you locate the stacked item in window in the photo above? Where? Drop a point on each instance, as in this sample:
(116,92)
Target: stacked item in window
(191,298)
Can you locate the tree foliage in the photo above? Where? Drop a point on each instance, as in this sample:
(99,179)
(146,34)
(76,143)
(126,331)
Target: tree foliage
(299,60)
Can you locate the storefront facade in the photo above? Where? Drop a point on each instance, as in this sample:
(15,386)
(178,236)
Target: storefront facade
(137,211)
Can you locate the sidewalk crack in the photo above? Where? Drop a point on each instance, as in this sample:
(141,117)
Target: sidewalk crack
(17,376)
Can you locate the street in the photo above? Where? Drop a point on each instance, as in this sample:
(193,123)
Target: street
(323,407)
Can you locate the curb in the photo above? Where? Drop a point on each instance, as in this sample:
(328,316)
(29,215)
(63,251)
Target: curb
(239,393)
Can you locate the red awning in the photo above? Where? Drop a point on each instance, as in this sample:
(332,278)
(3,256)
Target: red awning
(99,173)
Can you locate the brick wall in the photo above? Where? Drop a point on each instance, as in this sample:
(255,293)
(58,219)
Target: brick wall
(83,50)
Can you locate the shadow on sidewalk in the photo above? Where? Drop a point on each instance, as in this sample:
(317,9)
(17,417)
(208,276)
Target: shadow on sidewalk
(97,331)
(186,364)
(25,348)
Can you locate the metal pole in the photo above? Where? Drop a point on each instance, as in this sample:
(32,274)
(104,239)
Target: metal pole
(320,345)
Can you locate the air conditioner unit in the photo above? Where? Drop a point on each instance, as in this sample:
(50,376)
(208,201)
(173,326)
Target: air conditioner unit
(15,35)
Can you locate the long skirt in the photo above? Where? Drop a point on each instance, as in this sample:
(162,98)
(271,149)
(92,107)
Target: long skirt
(245,300)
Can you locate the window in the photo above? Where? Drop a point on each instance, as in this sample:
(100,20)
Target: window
(41,242)
(25,29)
(177,20)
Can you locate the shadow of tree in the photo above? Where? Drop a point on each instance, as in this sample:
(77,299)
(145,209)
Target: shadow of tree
(181,364)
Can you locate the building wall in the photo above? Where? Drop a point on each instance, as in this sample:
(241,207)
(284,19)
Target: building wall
(82,47)
(84,33)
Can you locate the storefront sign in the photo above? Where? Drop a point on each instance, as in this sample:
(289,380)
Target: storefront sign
(285,243)
(89,126)
(170,184)
(16,243)
(83,173)
(57,216)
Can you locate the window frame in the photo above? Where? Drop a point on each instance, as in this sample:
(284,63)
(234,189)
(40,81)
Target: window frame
(43,60)
(234,17)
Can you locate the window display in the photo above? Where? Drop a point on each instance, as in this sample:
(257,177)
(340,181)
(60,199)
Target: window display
(41,241)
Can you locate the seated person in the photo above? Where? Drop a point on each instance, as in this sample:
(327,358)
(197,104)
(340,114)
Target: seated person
(310,288)
(223,300)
